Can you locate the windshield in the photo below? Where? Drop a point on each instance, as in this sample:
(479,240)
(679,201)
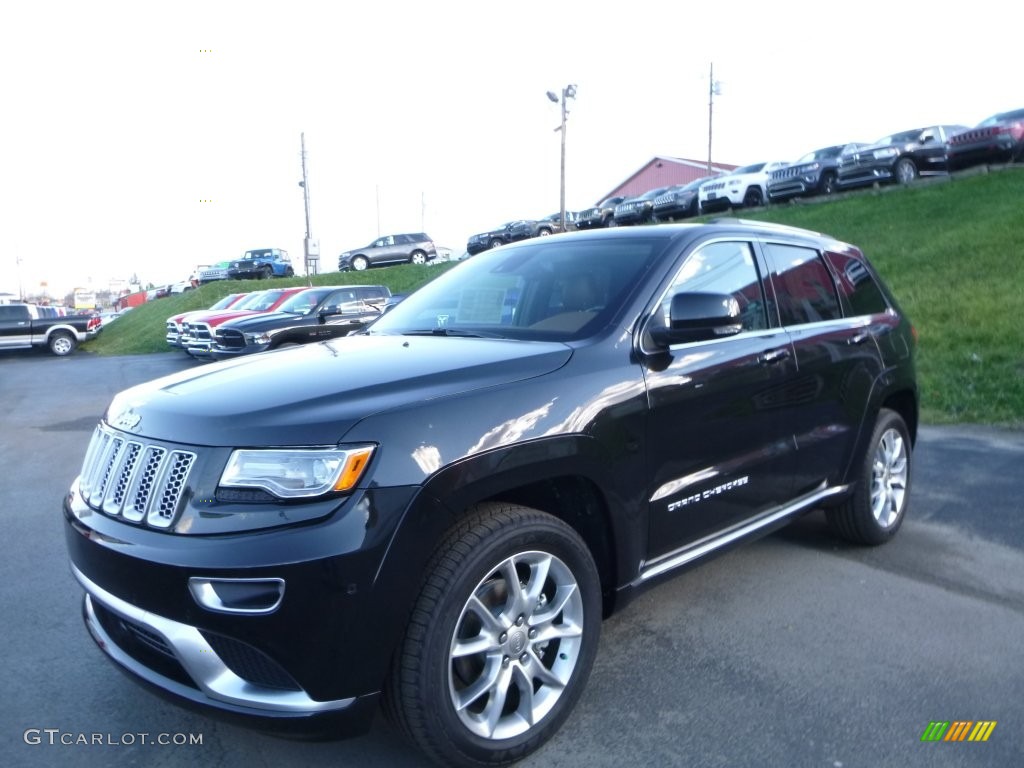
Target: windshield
(748,169)
(264,300)
(821,154)
(250,255)
(1004,117)
(304,301)
(901,138)
(542,290)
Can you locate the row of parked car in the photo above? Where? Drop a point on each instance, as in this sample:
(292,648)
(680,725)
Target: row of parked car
(245,323)
(895,158)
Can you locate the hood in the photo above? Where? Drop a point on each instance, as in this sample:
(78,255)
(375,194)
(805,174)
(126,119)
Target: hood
(264,320)
(313,394)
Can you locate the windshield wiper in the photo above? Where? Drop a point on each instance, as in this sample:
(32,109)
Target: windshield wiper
(461,332)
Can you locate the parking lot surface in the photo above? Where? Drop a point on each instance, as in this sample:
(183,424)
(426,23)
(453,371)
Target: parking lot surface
(797,650)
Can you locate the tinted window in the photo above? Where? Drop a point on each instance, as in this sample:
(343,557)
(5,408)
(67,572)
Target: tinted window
(724,268)
(858,290)
(540,290)
(803,286)
(13,313)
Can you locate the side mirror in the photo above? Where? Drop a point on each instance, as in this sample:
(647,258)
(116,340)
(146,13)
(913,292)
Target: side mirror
(699,317)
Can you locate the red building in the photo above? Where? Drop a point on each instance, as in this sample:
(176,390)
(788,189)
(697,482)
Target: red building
(664,172)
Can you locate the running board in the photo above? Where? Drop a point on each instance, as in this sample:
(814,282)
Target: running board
(707,546)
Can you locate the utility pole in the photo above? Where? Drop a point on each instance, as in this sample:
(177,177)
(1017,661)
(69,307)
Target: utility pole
(311,248)
(569,92)
(714,89)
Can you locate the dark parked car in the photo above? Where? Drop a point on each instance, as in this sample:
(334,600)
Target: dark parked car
(524,229)
(439,510)
(679,202)
(812,174)
(600,215)
(900,157)
(997,139)
(414,248)
(315,314)
(484,240)
(637,210)
(261,264)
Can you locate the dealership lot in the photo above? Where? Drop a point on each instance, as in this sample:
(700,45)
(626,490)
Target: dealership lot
(797,650)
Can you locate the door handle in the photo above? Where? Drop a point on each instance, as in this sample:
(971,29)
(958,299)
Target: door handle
(773,356)
(859,338)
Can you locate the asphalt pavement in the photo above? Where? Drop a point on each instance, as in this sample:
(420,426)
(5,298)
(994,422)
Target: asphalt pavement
(796,650)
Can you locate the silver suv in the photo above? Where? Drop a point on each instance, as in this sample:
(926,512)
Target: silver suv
(414,248)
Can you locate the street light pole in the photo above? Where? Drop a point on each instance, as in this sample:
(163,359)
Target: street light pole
(569,92)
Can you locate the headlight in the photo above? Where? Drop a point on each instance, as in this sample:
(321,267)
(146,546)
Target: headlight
(882,154)
(257,338)
(297,473)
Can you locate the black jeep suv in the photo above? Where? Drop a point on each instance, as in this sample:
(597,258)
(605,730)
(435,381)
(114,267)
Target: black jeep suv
(441,508)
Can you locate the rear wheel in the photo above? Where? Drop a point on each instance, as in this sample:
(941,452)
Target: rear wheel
(875,511)
(418,257)
(501,640)
(359,263)
(62,343)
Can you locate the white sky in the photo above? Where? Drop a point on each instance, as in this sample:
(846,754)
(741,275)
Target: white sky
(115,126)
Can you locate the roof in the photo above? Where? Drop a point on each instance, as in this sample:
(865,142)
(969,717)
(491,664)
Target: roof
(661,171)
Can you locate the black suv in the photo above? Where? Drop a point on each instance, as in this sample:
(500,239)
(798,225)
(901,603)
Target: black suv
(900,157)
(441,508)
(413,248)
(549,225)
(600,215)
(481,241)
(316,314)
(813,174)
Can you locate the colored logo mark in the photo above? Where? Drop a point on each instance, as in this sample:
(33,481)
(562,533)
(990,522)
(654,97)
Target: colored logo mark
(958,730)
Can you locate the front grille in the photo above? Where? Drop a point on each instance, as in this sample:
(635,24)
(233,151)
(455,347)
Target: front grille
(713,186)
(231,338)
(134,479)
(201,332)
(250,664)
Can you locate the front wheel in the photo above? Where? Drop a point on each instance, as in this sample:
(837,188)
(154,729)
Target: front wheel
(501,640)
(828,183)
(753,198)
(359,263)
(62,343)
(875,511)
(266,272)
(906,171)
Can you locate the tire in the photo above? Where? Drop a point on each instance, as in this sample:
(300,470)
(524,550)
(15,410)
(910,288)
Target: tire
(418,257)
(359,263)
(266,272)
(289,272)
(827,186)
(471,660)
(543,232)
(905,170)
(875,511)
(496,242)
(62,343)
(753,197)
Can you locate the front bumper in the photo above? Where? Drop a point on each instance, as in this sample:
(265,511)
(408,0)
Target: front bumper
(219,352)
(312,664)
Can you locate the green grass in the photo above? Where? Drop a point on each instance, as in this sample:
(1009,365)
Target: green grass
(951,251)
(142,331)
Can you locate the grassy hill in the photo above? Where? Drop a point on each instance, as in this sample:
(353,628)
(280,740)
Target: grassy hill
(950,250)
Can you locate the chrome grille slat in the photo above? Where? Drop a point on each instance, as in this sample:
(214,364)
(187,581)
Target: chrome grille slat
(133,479)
